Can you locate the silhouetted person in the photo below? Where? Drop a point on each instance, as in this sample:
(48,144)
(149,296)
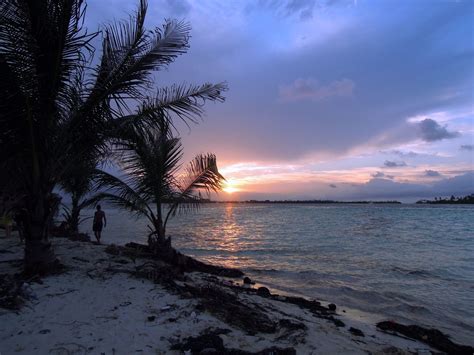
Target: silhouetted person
(97,225)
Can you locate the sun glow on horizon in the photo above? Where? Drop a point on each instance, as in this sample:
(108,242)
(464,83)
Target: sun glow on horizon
(230,186)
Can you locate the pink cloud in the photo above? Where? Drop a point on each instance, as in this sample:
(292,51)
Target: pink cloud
(310,89)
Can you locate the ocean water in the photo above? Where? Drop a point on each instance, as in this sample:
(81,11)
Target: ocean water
(410,263)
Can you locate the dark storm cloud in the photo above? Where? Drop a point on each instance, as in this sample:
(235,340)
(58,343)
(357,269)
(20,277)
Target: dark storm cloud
(384,189)
(394,164)
(259,53)
(432,173)
(431,131)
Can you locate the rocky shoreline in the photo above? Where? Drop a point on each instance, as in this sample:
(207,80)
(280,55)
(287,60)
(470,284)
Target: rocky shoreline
(119,300)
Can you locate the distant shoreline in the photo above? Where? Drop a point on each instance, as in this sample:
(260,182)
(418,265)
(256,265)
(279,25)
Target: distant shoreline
(306,202)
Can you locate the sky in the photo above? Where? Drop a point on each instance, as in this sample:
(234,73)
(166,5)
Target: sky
(328,99)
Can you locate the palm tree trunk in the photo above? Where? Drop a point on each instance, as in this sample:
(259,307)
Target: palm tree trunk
(75,213)
(39,254)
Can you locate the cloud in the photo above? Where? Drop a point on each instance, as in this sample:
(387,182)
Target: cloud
(379,175)
(310,89)
(469,147)
(332,186)
(402,154)
(430,131)
(432,173)
(394,164)
(460,185)
(179,7)
(303,8)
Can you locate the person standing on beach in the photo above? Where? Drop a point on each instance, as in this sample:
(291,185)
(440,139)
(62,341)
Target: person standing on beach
(97,225)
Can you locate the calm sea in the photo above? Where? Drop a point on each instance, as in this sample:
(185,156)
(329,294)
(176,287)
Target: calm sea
(403,262)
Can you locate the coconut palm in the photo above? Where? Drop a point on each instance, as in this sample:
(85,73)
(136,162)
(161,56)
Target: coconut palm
(78,183)
(58,107)
(153,184)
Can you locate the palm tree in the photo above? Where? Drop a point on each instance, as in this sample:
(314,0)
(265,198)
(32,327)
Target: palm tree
(78,183)
(58,109)
(150,160)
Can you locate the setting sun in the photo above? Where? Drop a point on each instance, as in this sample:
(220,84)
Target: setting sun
(230,187)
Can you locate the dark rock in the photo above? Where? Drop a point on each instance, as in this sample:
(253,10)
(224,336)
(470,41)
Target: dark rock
(80,259)
(432,337)
(247,280)
(112,249)
(356,332)
(339,323)
(264,292)
(121,261)
(151,318)
(208,351)
(276,351)
(291,325)
(200,343)
(332,307)
(44,331)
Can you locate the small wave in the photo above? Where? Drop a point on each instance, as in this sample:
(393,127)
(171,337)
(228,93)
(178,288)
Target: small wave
(409,309)
(417,273)
(264,270)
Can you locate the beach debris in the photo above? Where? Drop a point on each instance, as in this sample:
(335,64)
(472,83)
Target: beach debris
(432,337)
(151,318)
(112,249)
(61,293)
(12,292)
(70,348)
(263,291)
(209,342)
(291,325)
(356,332)
(332,307)
(183,262)
(227,307)
(202,342)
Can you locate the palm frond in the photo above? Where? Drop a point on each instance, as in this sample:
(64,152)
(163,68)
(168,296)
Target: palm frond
(184,101)
(130,54)
(120,193)
(200,174)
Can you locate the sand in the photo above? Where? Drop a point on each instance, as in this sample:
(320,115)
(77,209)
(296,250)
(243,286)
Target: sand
(98,307)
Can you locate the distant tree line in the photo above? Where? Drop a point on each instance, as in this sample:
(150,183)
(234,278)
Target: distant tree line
(469,199)
(307,202)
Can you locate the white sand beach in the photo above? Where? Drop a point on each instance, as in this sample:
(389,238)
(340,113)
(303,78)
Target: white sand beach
(97,306)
